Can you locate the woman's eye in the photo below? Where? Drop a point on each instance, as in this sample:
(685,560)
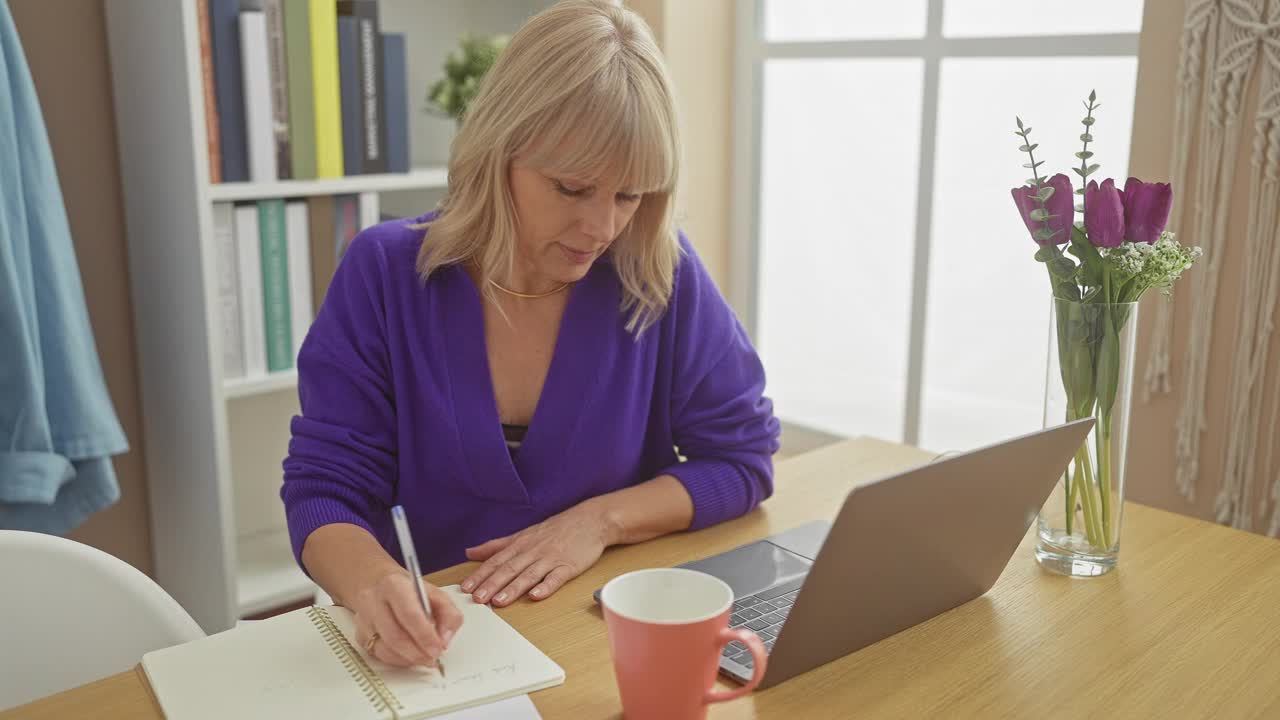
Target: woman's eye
(566,190)
(628,198)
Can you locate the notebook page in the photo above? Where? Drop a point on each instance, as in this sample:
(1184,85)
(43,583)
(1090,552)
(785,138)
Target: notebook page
(278,668)
(487,661)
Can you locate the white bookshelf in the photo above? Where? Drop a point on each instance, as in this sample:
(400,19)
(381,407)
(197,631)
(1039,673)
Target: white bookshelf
(214,446)
(247,386)
(417,179)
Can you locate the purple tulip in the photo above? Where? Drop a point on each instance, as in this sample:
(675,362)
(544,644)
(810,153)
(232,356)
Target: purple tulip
(1146,210)
(1104,214)
(1060,205)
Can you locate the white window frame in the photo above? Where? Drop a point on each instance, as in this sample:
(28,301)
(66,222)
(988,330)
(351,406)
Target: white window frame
(751,51)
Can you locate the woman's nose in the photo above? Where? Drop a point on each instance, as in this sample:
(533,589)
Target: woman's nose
(599,218)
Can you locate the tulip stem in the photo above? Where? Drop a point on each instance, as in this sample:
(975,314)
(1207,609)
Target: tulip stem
(1104,477)
(1086,497)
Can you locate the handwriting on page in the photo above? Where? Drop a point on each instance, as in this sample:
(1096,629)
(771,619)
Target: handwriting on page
(473,679)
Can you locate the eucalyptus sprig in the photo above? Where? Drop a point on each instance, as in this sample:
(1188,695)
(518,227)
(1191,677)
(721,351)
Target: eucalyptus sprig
(1085,169)
(1043,192)
(1061,269)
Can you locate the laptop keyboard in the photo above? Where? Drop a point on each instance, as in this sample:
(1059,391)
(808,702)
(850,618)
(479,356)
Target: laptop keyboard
(764,612)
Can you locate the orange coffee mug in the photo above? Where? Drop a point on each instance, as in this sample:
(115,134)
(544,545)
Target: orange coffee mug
(667,628)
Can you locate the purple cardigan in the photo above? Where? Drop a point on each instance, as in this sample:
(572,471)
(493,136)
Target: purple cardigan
(398,406)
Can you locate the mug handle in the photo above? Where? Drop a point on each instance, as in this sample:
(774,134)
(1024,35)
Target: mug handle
(758,659)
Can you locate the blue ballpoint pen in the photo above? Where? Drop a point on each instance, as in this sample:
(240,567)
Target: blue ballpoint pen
(411,563)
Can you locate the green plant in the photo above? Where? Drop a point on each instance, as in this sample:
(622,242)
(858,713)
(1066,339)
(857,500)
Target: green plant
(463,70)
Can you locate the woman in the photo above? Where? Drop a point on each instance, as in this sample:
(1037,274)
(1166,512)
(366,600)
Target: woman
(518,369)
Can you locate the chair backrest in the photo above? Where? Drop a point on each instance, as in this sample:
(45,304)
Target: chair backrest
(71,614)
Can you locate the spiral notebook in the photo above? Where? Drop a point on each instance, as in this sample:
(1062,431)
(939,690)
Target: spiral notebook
(307,664)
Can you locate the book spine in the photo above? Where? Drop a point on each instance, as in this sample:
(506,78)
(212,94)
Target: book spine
(274,10)
(302,119)
(224,243)
(249,254)
(299,241)
(369,36)
(320,216)
(257,96)
(224,27)
(275,285)
(370,210)
(210,94)
(395,102)
(346,223)
(324,66)
(349,79)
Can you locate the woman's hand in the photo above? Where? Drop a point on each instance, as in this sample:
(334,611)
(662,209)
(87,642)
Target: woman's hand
(389,608)
(539,559)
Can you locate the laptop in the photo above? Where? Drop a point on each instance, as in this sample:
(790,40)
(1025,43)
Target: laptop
(902,549)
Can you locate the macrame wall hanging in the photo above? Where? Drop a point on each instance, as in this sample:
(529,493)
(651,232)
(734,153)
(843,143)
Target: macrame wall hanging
(1223,42)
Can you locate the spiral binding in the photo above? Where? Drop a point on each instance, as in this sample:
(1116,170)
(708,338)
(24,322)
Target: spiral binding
(378,694)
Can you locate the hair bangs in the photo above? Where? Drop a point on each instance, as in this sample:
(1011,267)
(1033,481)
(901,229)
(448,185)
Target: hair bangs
(605,131)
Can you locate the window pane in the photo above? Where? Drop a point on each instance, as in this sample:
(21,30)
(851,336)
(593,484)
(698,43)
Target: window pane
(838,196)
(1001,18)
(808,20)
(988,307)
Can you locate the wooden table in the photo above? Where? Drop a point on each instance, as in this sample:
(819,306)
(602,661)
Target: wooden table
(1187,626)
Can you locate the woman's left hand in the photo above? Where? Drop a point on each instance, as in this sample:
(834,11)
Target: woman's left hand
(538,559)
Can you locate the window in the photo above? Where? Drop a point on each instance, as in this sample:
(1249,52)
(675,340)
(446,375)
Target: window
(887,277)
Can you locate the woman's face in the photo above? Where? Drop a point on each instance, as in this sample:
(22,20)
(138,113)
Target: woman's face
(565,224)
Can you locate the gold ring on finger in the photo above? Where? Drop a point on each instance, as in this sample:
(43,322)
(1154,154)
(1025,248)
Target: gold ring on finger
(368,647)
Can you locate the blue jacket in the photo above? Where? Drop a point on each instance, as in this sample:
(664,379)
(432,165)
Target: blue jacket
(57,425)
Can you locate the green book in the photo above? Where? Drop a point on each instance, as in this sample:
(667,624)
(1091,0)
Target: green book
(275,285)
(301,87)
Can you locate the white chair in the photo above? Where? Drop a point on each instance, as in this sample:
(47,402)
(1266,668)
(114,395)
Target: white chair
(71,614)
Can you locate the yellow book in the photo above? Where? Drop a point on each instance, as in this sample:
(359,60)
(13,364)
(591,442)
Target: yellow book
(324,59)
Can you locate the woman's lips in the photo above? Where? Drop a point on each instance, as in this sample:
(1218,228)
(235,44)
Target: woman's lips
(577,256)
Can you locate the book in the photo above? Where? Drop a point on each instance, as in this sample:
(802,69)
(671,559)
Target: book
(370,211)
(373,138)
(395,101)
(308,663)
(210,94)
(275,285)
(301,85)
(324,68)
(257,96)
(279,72)
(299,244)
(346,222)
(224,28)
(249,277)
(351,95)
(321,222)
(224,244)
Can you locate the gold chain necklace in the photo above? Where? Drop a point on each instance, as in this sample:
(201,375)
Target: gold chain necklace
(528,296)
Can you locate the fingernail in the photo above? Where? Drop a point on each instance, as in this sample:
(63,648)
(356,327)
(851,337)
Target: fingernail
(480,596)
(466,586)
(536,592)
(502,597)
(448,636)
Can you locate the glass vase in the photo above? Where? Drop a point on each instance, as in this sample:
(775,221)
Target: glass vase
(1090,374)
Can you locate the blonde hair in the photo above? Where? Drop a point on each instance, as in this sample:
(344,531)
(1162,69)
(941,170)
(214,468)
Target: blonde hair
(581,90)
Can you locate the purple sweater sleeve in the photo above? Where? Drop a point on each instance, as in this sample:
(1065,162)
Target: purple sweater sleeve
(722,422)
(341,466)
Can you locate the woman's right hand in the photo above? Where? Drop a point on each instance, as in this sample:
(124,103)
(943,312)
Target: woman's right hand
(389,609)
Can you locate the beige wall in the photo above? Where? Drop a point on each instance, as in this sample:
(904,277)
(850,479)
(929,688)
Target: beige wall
(1151,447)
(67,52)
(697,40)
